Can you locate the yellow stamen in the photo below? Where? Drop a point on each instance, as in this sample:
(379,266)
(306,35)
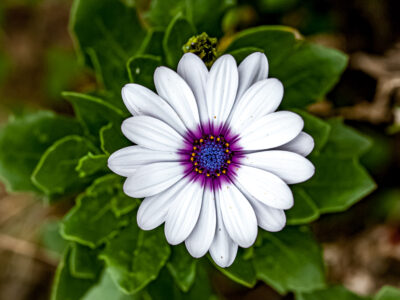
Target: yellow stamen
(211,137)
(228,161)
(226,144)
(193,154)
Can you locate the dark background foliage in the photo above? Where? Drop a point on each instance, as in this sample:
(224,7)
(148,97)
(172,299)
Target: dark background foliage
(361,246)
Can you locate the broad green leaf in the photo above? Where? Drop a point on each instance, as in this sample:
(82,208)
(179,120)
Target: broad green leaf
(290,260)
(112,139)
(55,173)
(92,164)
(330,293)
(84,262)
(164,287)
(182,267)
(141,69)
(337,183)
(344,141)
(304,209)
(135,257)
(205,14)
(67,287)
(317,128)
(93,112)
(307,71)
(176,35)
(23,141)
(122,204)
(241,271)
(241,53)
(107,290)
(101,31)
(92,221)
(388,293)
(51,239)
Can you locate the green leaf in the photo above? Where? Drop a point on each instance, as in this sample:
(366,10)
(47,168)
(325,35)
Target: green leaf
(93,112)
(317,128)
(345,141)
(182,267)
(101,31)
(107,290)
(290,260)
(337,183)
(205,14)
(141,69)
(307,71)
(122,204)
(242,53)
(241,271)
(331,293)
(152,45)
(92,164)
(135,257)
(23,141)
(388,293)
(176,35)
(67,287)
(51,239)
(92,221)
(112,139)
(84,262)
(55,173)
(304,209)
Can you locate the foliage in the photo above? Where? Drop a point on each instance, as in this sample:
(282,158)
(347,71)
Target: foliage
(108,257)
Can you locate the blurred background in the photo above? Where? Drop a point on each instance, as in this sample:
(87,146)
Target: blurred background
(361,246)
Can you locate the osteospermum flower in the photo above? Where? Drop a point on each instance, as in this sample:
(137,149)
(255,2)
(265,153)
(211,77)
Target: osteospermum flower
(212,158)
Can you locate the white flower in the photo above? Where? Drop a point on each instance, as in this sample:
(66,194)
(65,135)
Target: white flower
(212,158)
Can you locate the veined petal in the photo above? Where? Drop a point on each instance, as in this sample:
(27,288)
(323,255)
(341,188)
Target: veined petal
(152,133)
(302,144)
(184,212)
(141,101)
(177,93)
(125,161)
(289,166)
(238,215)
(260,99)
(221,88)
(199,241)
(153,210)
(268,218)
(223,249)
(195,73)
(264,186)
(252,69)
(271,131)
(152,179)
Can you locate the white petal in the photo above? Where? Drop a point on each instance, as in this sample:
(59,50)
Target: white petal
(260,99)
(252,69)
(153,210)
(271,131)
(152,133)
(265,187)
(303,144)
(268,218)
(184,212)
(125,161)
(195,73)
(178,94)
(152,179)
(289,166)
(238,215)
(221,88)
(199,241)
(141,101)
(223,249)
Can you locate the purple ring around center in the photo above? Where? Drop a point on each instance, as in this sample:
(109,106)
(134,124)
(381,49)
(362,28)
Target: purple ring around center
(197,143)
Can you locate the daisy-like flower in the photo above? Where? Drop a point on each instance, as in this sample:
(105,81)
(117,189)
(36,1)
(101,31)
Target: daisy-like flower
(212,158)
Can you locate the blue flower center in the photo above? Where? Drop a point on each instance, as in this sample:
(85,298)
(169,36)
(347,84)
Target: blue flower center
(211,155)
